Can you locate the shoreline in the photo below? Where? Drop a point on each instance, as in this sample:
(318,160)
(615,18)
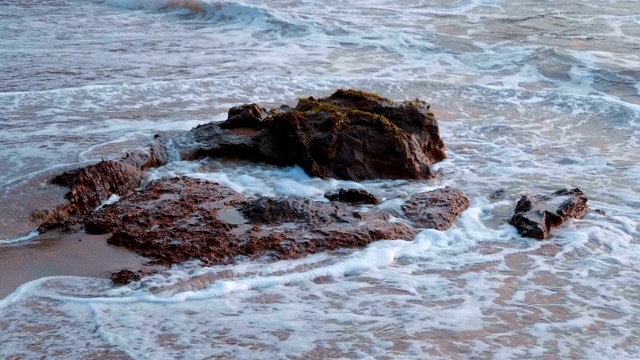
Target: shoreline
(56,254)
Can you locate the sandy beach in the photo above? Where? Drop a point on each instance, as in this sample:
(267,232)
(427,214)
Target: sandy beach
(54,254)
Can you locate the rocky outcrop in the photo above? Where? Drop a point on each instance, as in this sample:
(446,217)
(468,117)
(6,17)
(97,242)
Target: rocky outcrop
(350,135)
(91,185)
(436,209)
(536,216)
(178,219)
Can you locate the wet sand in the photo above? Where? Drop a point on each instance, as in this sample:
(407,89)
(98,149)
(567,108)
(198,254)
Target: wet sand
(53,254)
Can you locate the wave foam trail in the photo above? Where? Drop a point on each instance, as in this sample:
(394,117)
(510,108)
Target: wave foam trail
(32,235)
(483,289)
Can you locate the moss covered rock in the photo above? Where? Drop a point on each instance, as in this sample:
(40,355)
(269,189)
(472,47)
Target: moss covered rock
(351,135)
(354,135)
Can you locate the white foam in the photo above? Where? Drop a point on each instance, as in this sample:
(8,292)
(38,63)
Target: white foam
(261,180)
(32,235)
(113,198)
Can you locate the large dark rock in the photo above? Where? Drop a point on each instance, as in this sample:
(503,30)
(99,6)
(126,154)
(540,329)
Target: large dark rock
(350,135)
(436,209)
(178,219)
(536,216)
(354,135)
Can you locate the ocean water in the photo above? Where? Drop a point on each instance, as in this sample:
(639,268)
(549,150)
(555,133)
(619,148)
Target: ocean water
(532,96)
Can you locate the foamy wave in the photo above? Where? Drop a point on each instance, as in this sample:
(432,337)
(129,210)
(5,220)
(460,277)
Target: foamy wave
(32,235)
(217,12)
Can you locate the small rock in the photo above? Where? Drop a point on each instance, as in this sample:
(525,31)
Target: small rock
(354,197)
(536,216)
(246,115)
(124,277)
(496,194)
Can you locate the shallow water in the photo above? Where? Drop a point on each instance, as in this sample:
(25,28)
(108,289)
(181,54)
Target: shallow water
(531,97)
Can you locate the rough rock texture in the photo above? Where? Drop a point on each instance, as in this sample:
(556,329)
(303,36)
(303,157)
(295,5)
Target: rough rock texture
(91,185)
(535,217)
(210,140)
(350,135)
(436,209)
(178,219)
(354,197)
(124,277)
(245,116)
(143,160)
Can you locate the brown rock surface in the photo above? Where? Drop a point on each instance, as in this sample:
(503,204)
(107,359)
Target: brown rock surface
(245,116)
(126,276)
(178,219)
(536,216)
(350,135)
(436,209)
(91,185)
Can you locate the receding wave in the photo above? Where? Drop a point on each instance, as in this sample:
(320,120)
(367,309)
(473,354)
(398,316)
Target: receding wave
(210,11)
(27,237)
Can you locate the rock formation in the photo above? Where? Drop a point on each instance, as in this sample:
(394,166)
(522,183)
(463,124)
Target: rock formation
(91,185)
(349,135)
(536,216)
(178,219)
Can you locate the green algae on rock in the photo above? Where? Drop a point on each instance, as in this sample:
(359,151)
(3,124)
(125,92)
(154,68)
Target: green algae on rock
(351,135)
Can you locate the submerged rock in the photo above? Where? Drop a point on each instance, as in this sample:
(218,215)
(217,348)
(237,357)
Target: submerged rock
(436,209)
(124,277)
(536,216)
(350,135)
(179,219)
